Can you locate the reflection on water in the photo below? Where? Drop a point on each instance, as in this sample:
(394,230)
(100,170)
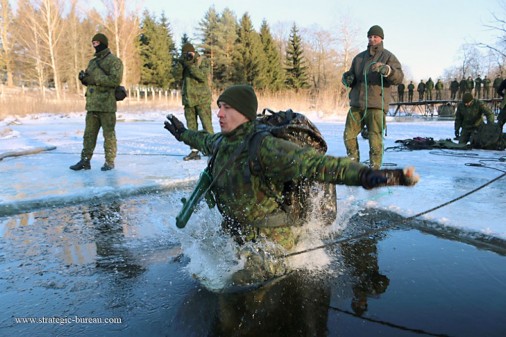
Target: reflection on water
(361,257)
(112,253)
(123,259)
(294,306)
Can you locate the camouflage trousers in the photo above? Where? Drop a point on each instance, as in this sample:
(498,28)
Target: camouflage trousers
(202,111)
(374,119)
(95,121)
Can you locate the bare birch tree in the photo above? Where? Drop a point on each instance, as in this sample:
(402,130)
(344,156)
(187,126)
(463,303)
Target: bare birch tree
(123,30)
(51,25)
(31,60)
(6,41)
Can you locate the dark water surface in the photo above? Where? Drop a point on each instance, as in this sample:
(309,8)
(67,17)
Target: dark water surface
(71,269)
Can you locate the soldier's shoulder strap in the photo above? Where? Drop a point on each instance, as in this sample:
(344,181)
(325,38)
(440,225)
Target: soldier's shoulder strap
(261,131)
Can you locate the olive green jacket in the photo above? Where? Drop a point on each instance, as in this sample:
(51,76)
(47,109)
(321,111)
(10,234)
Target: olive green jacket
(100,90)
(370,89)
(245,198)
(195,88)
(470,117)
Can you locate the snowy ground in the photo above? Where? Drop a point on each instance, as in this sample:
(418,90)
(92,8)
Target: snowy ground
(149,158)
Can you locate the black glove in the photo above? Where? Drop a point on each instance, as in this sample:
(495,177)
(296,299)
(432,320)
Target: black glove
(457,134)
(84,77)
(348,79)
(378,178)
(383,69)
(174,126)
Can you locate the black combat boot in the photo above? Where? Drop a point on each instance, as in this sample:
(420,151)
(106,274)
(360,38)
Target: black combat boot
(83,164)
(107,167)
(194,155)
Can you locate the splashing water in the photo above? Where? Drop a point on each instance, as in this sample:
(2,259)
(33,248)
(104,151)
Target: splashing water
(214,256)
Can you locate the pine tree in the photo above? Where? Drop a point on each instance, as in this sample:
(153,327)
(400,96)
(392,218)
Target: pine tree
(226,37)
(156,48)
(275,77)
(296,70)
(208,28)
(249,58)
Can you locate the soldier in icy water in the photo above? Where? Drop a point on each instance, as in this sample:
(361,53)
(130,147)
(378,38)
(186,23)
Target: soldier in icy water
(251,205)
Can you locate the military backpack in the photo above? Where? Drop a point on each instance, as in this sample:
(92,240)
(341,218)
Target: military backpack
(303,197)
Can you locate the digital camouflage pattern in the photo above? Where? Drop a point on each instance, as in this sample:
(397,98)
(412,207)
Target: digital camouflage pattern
(100,91)
(469,118)
(101,104)
(95,121)
(196,93)
(195,89)
(243,199)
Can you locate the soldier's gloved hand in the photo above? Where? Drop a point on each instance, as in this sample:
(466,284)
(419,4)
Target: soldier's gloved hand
(457,134)
(347,79)
(382,68)
(379,178)
(84,77)
(174,126)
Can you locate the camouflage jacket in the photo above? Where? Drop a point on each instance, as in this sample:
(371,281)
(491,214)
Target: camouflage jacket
(429,85)
(244,198)
(100,91)
(368,86)
(470,117)
(195,89)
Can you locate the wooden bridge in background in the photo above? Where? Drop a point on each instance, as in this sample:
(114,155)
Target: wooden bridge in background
(432,107)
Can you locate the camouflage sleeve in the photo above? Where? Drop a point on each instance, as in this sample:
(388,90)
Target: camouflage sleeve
(197,71)
(285,161)
(485,110)
(200,140)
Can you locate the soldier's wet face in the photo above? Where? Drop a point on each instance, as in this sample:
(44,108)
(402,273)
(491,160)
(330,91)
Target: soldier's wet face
(229,118)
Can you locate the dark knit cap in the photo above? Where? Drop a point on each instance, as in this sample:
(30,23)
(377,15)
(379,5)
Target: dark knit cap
(376,30)
(101,38)
(241,97)
(468,97)
(188,47)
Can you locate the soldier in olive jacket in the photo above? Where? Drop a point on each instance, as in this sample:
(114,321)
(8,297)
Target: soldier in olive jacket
(250,204)
(103,74)
(196,93)
(469,117)
(370,77)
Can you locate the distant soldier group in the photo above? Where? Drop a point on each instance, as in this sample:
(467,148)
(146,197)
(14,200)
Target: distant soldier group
(479,87)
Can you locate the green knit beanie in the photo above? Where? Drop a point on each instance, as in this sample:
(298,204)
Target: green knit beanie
(101,38)
(376,30)
(468,97)
(241,97)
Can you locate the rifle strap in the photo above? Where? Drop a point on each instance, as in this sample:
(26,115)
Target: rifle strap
(100,67)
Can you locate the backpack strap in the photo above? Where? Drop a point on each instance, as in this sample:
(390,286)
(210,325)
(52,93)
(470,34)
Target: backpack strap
(255,167)
(216,147)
